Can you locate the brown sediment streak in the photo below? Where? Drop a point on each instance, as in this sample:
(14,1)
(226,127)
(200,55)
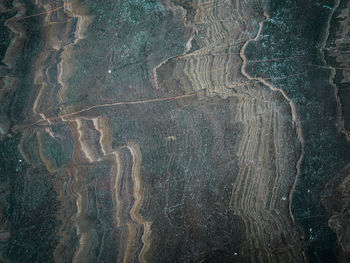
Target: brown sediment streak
(116,186)
(46,161)
(102,126)
(127,208)
(295,116)
(90,138)
(130,242)
(53,44)
(138,197)
(84,229)
(84,236)
(76,10)
(146,240)
(39,80)
(76,179)
(58,46)
(88,152)
(65,67)
(138,229)
(127,213)
(64,47)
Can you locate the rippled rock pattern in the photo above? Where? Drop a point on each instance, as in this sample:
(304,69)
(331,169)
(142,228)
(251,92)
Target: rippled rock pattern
(175,131)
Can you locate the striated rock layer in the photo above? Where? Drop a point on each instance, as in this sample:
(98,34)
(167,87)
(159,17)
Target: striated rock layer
(174,131)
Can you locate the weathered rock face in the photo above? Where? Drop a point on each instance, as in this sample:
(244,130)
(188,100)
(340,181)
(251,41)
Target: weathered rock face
(174,131)
(336,200)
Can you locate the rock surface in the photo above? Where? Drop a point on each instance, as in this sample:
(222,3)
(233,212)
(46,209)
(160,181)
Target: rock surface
(174,131)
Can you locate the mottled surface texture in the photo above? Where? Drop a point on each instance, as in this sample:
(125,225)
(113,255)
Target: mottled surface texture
(175,131)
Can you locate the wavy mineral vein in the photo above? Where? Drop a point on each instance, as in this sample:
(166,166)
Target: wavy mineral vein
(295,117)
(137,228)
(260,188)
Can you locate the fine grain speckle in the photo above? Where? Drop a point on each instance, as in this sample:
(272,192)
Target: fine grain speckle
(174,131)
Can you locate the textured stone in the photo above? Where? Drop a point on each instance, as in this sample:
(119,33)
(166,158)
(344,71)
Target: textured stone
(174,131)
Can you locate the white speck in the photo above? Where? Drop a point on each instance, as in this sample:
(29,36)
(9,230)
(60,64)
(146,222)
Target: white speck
(308,190)
(284,198)
(310,229)
(235,253)
(20,160)
(109,71)
(171,138)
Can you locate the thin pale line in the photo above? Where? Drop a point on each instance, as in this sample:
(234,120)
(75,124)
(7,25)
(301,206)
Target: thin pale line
(39,14)
(115,104)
